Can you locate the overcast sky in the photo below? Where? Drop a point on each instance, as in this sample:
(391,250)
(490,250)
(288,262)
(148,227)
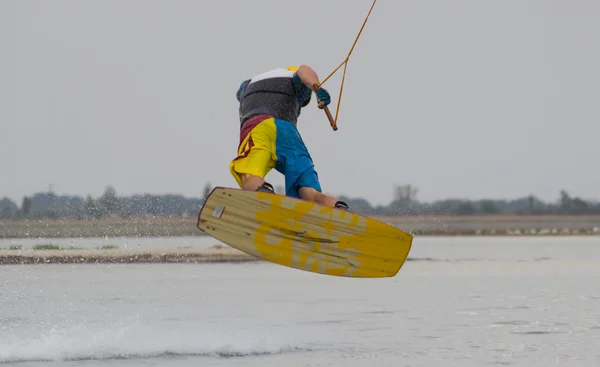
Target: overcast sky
(463,99)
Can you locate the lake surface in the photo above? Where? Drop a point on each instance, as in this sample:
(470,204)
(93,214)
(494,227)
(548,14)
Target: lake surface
(474,301)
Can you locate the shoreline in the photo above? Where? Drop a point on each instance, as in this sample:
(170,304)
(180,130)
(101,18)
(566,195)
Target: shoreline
(183,255)
(492,225)
(97,256)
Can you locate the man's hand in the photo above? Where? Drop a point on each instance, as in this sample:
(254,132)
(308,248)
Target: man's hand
(323,96)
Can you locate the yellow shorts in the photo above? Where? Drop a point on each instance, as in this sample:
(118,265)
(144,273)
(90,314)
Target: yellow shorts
(257,150)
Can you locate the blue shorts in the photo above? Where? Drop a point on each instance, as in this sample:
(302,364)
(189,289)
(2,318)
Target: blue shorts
(294,160)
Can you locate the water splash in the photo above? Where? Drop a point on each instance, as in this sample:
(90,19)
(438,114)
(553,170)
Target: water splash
(132,339)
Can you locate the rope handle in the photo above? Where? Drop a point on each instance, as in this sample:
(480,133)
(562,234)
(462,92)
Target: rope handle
(322,106)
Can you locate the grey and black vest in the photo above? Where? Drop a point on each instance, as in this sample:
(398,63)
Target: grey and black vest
(272,93)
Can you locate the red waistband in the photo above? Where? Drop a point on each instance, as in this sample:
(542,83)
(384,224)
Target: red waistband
(251,124)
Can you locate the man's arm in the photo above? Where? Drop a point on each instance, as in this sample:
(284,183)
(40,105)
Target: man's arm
(308,76)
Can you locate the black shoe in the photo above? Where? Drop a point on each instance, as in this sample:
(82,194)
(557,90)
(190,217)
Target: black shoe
(266,187)
(342,205)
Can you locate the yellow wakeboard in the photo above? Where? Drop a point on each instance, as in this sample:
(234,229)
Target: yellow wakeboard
(304,235)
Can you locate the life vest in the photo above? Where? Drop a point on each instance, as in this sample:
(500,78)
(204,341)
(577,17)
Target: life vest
(271,93)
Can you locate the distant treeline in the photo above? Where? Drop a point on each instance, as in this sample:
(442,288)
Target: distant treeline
(51,206)
(48,205)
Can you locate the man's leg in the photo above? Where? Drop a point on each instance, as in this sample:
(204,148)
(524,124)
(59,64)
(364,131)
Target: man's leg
(301,179)
(256,157)
(251,170)
(309,188)
(310,194)
(255,183)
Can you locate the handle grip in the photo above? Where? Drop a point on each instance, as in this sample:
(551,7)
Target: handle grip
(332,122)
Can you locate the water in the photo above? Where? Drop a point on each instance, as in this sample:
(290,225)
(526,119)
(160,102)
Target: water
(460,302)
(478,247)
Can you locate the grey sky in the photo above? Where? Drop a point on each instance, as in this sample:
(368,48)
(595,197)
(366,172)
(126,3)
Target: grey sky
(463,99)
